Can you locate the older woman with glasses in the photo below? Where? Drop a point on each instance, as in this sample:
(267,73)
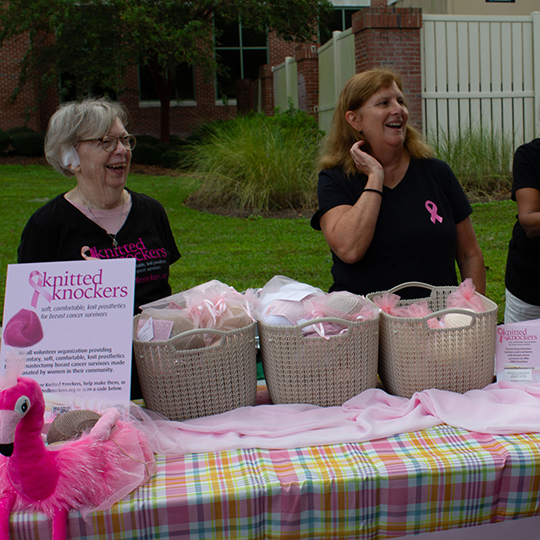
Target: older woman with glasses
(100,218)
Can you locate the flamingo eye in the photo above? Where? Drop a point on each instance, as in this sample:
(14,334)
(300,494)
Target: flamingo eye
(22,406)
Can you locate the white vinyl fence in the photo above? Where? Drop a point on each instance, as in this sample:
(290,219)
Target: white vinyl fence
(336,67)
(285,84)
(477,72)
(481,72)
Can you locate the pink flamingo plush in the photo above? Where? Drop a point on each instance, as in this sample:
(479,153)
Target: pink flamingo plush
(86,474)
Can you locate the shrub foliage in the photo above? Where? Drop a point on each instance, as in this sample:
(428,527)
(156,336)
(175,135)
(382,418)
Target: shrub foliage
(481,159)
(257,162)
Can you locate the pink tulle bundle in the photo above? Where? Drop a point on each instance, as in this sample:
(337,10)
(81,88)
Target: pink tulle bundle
(465,297)
(388,303)
(417,309)
(212,305)
(217,306)
(286,302)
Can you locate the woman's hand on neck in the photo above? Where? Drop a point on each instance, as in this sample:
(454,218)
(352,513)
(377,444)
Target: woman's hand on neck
(390,167)
(395,168)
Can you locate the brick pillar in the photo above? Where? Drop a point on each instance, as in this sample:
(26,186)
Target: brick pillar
(307,63)
(390,37)
(244,95)
(266,78)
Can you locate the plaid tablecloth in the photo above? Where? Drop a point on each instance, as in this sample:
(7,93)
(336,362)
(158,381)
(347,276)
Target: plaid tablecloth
(432,480)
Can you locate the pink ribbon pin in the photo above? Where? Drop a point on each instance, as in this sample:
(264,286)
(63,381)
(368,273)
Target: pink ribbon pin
(38,288)
(84,253)
(431,207)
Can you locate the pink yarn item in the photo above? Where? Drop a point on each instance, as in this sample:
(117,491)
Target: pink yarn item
(23,329)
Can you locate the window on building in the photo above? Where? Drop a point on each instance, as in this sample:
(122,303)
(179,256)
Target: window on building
(340,19)
(183,87)
(241,51)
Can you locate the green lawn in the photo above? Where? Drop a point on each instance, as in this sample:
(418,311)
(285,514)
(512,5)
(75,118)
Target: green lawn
(242,252)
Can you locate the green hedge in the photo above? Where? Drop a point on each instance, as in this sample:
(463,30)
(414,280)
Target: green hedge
(4,141)
(24,141)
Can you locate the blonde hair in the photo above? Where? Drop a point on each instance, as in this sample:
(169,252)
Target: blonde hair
(359,88)
(76,121)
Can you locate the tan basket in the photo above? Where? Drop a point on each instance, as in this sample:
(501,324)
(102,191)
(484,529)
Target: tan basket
(325,372)
(183,384)
(414,357)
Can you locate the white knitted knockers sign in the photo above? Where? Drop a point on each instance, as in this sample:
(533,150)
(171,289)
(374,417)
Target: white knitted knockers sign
(72,322)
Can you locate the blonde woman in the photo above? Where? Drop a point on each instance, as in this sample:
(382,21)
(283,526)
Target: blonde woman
(389,211)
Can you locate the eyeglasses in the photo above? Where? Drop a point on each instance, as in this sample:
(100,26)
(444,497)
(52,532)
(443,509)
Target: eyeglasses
(110,142)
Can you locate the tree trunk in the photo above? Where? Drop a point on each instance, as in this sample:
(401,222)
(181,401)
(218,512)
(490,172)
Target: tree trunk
(163,85)
(165,126)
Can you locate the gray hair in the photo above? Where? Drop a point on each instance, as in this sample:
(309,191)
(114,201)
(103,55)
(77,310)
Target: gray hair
(76,121)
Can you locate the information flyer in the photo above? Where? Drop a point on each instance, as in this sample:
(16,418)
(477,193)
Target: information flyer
(517,352)
(73,322)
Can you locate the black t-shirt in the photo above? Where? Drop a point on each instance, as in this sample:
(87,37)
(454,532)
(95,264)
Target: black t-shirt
(415,236)
(58,232)
(523,263)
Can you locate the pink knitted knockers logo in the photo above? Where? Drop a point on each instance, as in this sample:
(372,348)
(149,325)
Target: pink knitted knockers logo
(133,250)
(70,286)
(520,334)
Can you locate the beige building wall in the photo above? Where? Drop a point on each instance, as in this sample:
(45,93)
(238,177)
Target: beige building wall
(470,7)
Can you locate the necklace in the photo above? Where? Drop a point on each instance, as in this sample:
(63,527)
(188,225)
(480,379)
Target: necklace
(96,221)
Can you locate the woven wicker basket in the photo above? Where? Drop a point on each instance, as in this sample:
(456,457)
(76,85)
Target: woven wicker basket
(325,372)
(414,357)
(183,384)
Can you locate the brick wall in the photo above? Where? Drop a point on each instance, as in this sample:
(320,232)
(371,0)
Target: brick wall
(27,110)
(279,49)
(14,115)
(390,37)
(183,118)
(143,120)
(383,36)
(307,64)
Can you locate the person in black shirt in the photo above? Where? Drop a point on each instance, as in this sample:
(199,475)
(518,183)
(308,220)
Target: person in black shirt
(389,211)
(100,218)
(523,263)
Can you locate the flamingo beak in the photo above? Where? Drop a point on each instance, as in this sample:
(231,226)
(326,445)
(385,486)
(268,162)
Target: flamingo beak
(8,424)
(6,449)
